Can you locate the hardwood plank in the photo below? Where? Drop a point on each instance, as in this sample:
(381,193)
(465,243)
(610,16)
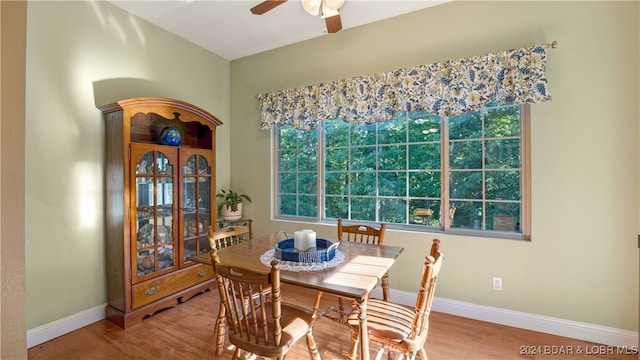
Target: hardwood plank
(186,332)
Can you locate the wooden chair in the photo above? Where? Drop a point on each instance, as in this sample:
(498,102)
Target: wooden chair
(361,233)
(395,327)
(368,235)
(218,239)
(228,236)
(258,323)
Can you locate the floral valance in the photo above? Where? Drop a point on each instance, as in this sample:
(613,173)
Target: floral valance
(446,88)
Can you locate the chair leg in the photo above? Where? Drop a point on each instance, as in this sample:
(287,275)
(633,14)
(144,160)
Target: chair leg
(313,347)
(391,355)
(423,354)
(316,307)
(355,340)
(219,330)
(385,287)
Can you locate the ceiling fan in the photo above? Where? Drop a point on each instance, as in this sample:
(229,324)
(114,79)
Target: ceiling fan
(328,10)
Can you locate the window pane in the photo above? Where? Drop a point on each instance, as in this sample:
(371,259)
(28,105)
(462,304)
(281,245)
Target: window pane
(336,183)
(424,157)
(392,131)
(467,215)
(465,185)
(288,138)
(307,139)
(502,122)
(424,212)
(424,184)
(288,183)
(308,205)
(465,155)
(504,154)
(288,160)
(337,207)
(288,205)
(392,157)
(308,183)
(465,126)
(503,216)
(307,159)
(392,183)
(363,134)
(363,158)
(336,133)
(423,127)
(336,159)
(363,183)
(393,211)
(503,185)
(363,208)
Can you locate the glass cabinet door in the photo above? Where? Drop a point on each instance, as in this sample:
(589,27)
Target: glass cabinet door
(197,198)
(152,206)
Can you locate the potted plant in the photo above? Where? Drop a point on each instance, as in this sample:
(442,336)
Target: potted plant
(231,206)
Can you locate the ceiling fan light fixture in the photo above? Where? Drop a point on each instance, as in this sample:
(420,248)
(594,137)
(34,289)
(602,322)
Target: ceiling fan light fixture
(312,7)
(326,12)
(333,4)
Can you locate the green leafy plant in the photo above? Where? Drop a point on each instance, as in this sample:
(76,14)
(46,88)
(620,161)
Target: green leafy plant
(231,199)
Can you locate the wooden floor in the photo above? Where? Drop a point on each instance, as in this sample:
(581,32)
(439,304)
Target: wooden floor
(186,332)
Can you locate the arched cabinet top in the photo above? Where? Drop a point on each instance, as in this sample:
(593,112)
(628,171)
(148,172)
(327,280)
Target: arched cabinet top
(143,120)
(162,106)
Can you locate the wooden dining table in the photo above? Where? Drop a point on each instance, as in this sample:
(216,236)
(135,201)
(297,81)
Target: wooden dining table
(354,278)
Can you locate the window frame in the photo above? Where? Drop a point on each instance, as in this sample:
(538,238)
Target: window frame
(445,227)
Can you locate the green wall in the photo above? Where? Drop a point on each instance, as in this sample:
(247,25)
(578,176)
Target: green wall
(83,54)
(582,261)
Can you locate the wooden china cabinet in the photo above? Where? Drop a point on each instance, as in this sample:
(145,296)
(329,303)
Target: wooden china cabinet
(160,199)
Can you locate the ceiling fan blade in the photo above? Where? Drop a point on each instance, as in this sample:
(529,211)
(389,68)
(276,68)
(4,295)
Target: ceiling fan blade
(265,6)
(334,24)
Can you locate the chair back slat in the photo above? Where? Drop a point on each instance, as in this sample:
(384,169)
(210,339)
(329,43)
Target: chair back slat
(361,233)
(228,236)
(255,316)
(237,299)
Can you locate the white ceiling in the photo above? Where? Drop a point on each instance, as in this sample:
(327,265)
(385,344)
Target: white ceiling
(227,27)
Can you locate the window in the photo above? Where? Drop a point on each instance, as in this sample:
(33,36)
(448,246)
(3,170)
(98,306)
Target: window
(410,170)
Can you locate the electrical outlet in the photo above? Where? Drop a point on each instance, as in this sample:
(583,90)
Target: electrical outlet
(497,283)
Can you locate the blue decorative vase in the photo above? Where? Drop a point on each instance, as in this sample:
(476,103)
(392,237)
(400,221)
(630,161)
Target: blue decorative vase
(170,136)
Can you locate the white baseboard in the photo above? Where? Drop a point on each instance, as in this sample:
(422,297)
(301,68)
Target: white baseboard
(546,324)
(550,325)
(52,330)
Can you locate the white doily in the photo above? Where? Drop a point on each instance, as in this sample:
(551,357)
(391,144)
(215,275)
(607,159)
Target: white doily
(298,266)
